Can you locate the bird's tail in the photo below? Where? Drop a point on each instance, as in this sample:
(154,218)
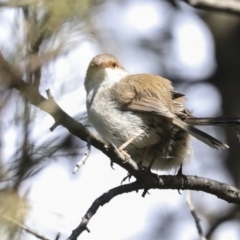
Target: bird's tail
(219,121)
(200,135)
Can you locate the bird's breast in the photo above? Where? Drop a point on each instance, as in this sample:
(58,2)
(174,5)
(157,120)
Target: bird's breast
(113,124)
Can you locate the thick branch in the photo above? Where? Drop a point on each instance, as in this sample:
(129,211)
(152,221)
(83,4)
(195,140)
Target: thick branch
(145,180)
(150,180)
(31,94)
(228,6)
(221,190)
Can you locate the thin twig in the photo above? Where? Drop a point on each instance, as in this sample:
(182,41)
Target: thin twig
(221,190)
(103,199)
(147,180)
(57,236)
(27,229)
(85,156)
(195,216)
(152,181)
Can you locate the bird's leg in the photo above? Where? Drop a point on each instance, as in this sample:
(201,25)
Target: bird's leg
(127,156)
(180,171)
(142,158)
(180,174)
(152,161)
(155,155)
(127,177)
(124,145)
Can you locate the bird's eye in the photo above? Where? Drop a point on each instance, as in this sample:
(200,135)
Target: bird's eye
(114,65)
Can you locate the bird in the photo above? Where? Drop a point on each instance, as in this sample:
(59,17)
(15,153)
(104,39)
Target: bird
(143,116)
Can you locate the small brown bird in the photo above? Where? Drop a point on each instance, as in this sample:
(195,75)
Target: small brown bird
(142,115)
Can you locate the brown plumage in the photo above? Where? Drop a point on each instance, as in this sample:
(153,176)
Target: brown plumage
(142,107)
(134,93)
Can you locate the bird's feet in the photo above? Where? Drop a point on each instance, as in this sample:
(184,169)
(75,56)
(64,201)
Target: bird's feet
(125,154)
(184,177)
(127,177)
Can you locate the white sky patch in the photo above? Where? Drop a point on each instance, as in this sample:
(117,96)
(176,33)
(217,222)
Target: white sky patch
(203,99)
(193,44)
(193,49)
(227,231)
(143,16)
(6,19)
(58,186)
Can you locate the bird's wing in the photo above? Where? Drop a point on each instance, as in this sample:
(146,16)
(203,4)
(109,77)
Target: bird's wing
(153,94)
(145,93)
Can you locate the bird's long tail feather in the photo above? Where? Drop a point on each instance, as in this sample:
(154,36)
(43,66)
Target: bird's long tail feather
(200,135)
(220,121)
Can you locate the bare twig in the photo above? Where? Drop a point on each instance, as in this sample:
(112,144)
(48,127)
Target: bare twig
(57,236)
(27,229)
(51,98)
(226,6)
(221,190)
(145,180)
(85,156)
(195,216)
(105,198)
(152,181)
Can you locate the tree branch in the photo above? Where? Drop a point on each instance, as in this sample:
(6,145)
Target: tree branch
(153,181)
(226,6)
(30,93)
(100,201)
(17,4)
(145,179)
(27,229)
(195,215)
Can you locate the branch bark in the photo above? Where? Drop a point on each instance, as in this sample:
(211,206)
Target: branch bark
(145,180)
(153,181)
(148,179)
(195,215)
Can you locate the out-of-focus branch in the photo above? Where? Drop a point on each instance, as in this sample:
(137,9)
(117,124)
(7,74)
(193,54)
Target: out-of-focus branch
(145,180)
(35,34)
(19,4)
(100,201)
(148,179)
(230,215)
(154,181)
(85,156)
(194,214)
(228,6)
(27,229)
(31,94)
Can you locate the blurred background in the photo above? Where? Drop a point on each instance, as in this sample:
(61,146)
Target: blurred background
(50,44)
